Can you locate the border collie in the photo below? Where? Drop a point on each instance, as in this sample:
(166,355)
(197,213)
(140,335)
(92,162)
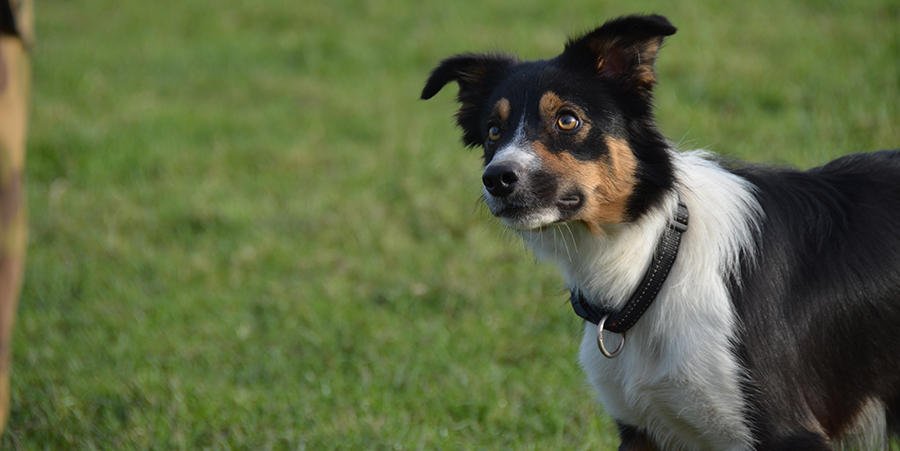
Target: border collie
(761,305)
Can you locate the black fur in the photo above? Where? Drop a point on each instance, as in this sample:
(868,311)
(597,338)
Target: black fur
(821,306)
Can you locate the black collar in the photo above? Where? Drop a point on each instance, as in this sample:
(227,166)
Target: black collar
(646,292)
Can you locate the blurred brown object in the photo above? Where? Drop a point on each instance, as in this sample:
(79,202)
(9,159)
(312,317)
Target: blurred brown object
(16,35)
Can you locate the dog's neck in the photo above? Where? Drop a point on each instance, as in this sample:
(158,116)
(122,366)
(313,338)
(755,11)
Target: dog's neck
(605,268)
(643,296)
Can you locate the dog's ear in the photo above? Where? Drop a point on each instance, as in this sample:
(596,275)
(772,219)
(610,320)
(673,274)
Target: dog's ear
(622,50)
(477,76)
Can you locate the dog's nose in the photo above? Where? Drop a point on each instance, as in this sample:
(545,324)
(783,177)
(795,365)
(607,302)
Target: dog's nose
(500,178)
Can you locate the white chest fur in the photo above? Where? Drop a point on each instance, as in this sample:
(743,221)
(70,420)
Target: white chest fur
(677,377)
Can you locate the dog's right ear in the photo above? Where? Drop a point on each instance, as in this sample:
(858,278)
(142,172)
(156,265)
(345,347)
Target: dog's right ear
(477,76)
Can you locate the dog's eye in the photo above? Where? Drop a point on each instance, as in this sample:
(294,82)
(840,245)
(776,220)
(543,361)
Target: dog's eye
(567,122)
(494,133)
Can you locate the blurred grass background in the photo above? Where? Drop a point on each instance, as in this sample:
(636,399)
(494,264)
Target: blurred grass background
(248,233)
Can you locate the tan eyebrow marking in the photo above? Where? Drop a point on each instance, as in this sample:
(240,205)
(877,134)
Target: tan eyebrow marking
(501,109)
(550,106)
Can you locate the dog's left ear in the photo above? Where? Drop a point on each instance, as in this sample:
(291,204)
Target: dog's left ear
(476,75)
(622,50)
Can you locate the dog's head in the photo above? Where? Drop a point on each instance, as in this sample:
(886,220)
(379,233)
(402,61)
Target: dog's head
(571,138)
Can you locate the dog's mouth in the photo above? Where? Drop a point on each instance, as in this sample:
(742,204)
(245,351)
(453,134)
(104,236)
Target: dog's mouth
(536,216)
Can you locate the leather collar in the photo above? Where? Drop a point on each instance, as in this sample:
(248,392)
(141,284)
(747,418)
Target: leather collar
(666,251)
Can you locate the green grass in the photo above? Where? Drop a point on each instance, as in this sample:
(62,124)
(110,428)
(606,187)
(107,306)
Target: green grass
(248,233)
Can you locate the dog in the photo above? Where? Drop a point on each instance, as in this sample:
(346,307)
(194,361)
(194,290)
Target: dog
(761,305)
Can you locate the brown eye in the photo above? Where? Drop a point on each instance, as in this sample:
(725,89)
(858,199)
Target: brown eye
(494,134)
(567,122)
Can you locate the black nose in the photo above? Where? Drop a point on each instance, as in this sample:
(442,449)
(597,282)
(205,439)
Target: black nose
(500,178)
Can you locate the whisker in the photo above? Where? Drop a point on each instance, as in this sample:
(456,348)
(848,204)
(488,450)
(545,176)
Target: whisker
(563,238)
(572,234)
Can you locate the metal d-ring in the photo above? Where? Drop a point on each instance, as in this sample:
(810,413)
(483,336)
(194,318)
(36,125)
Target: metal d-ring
(609,355)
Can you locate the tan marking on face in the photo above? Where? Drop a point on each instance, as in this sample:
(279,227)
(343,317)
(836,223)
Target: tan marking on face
(551,107)
(606,184)
(501,109)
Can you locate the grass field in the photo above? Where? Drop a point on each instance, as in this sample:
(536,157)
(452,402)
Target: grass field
(248,233)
